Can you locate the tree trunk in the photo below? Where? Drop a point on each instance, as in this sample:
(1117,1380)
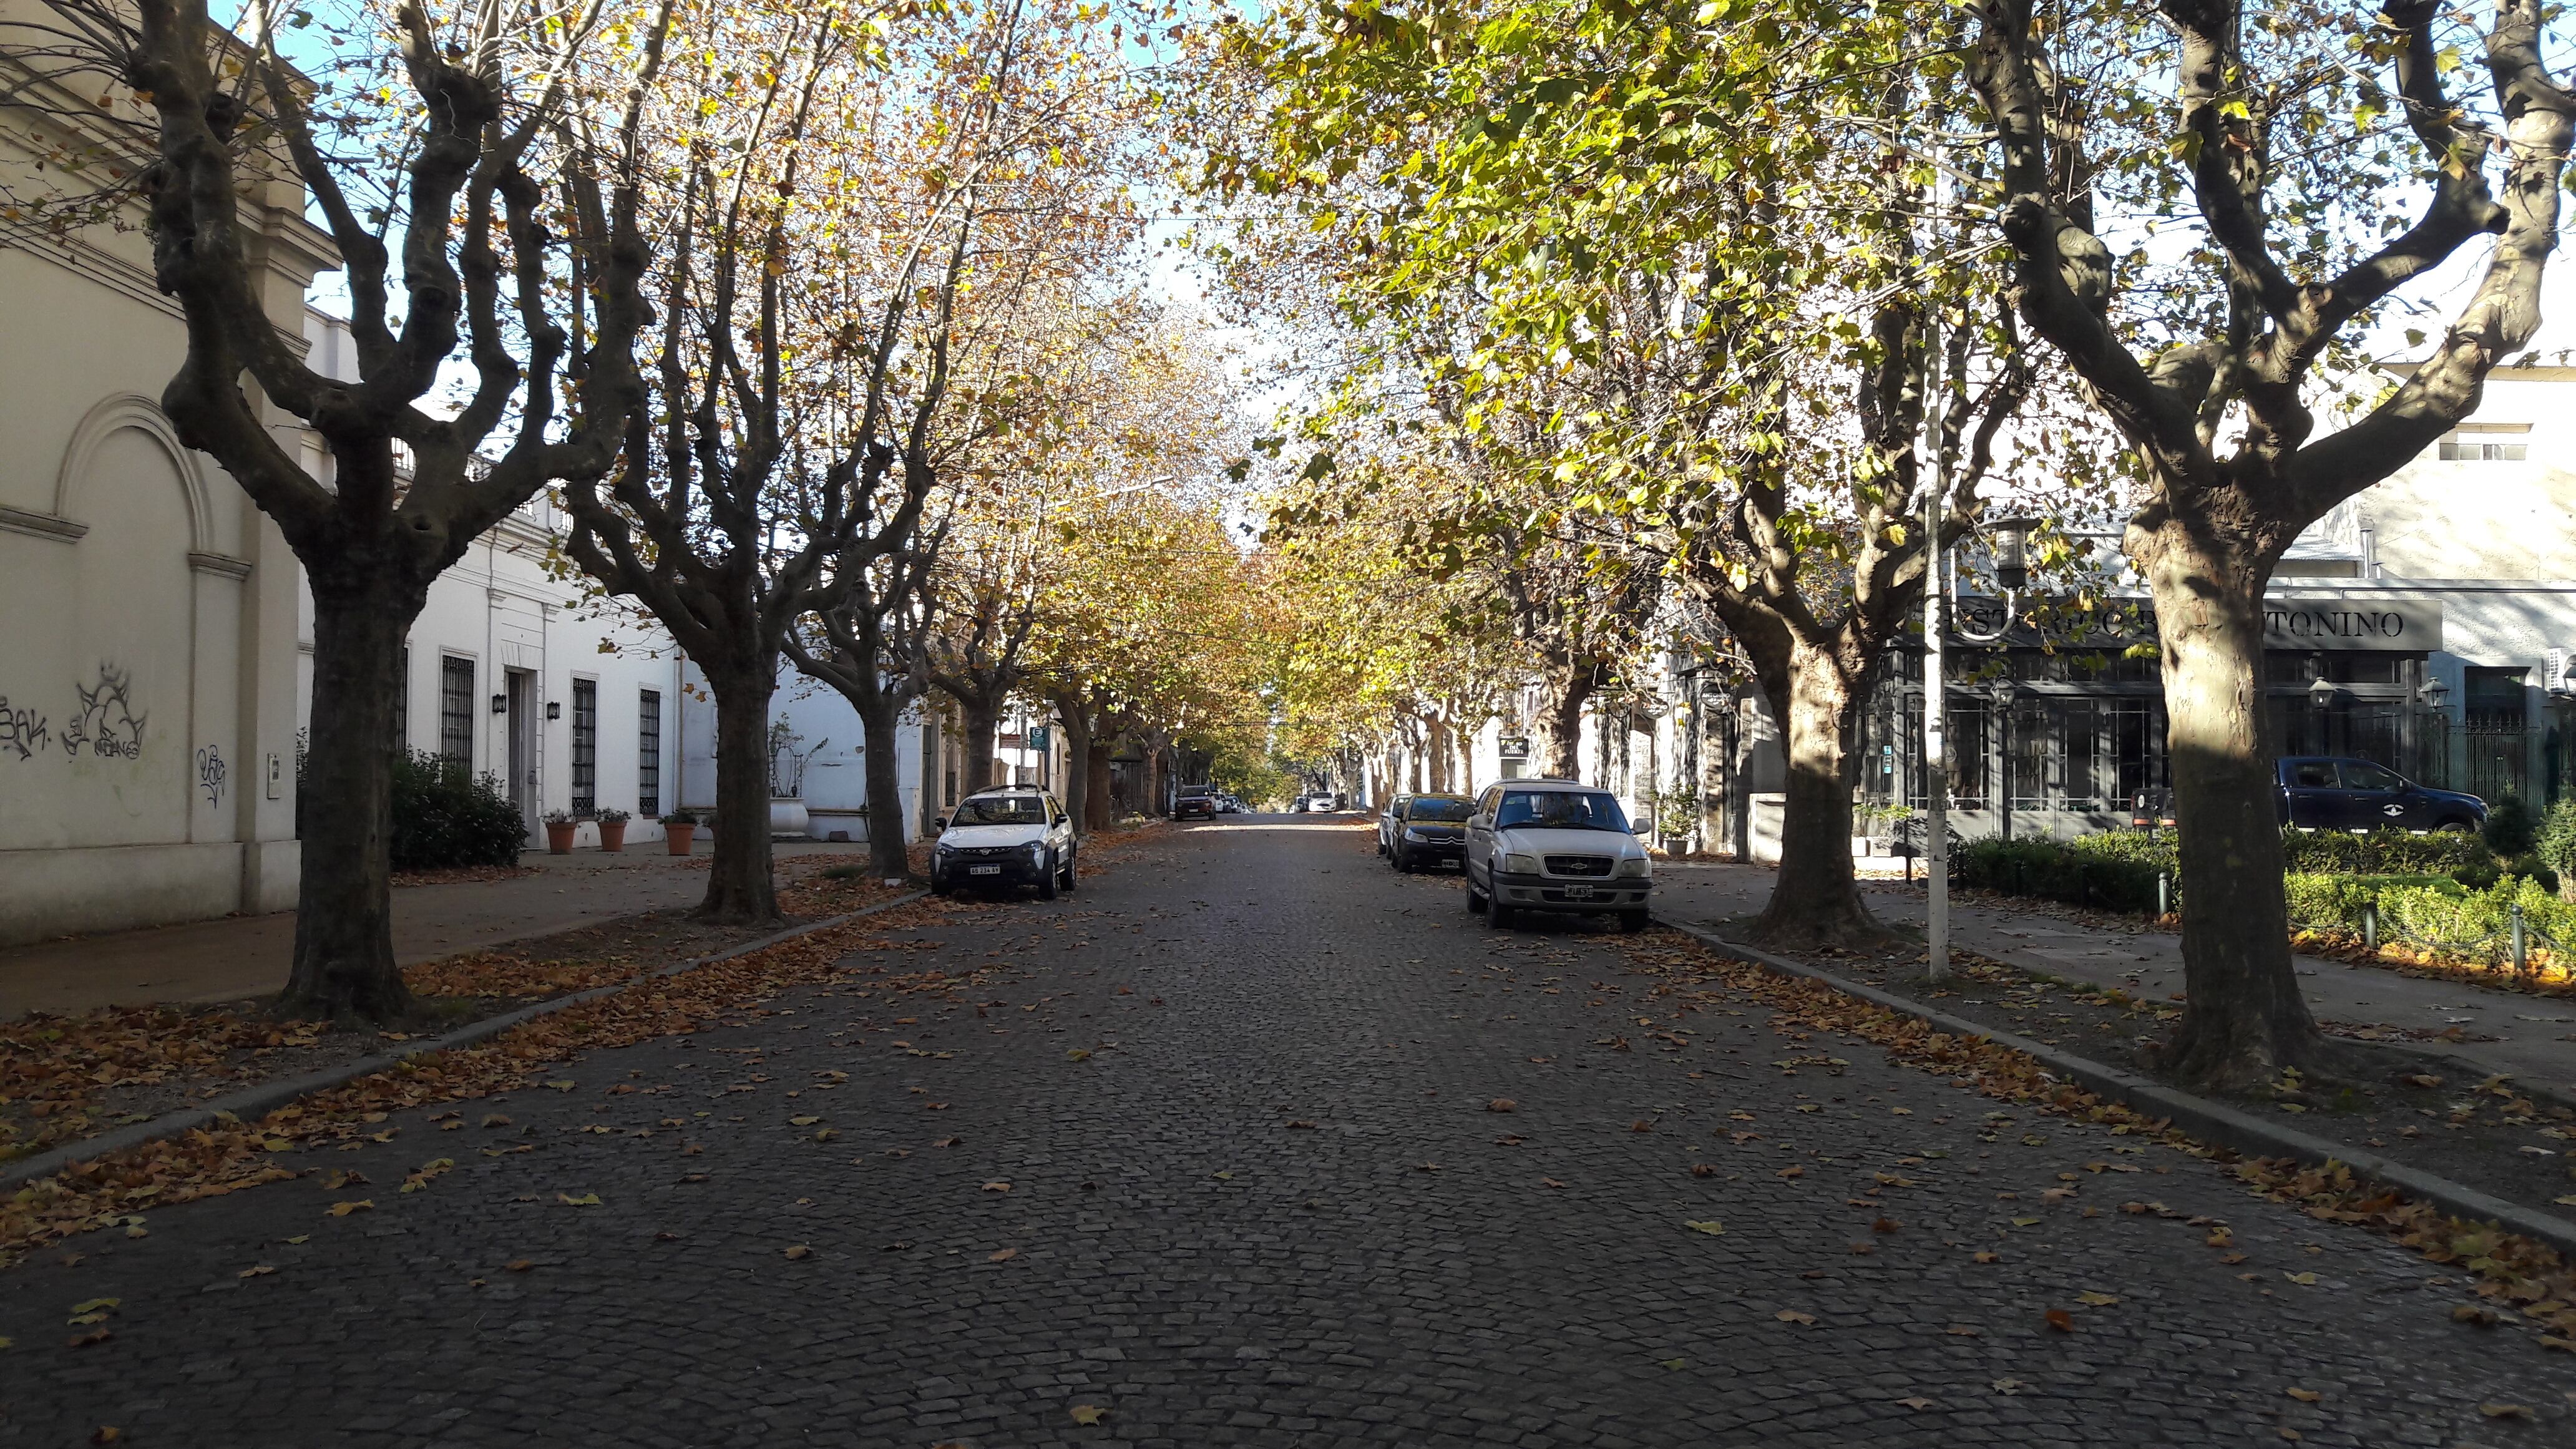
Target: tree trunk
(1560,724)
(1816,900)
(881,715)
(739,888)
(2243,1018)
(343,967)
(1436,746)
(983,720)
(1077,754)
(1095,783)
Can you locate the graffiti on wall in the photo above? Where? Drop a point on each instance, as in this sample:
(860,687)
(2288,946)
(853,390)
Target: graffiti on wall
(210,774)
(22,731)
(107,723)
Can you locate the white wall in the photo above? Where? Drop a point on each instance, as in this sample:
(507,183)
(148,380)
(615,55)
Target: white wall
(828,733)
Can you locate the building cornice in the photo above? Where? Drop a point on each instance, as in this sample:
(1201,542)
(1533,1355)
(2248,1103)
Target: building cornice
(41,525)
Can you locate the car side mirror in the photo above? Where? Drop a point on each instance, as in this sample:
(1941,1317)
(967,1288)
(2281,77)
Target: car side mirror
(938,823)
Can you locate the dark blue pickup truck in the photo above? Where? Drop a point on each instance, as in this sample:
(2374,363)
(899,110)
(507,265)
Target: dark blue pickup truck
(2328,792)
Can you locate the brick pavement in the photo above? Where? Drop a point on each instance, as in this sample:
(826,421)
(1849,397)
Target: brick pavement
(1173,1248)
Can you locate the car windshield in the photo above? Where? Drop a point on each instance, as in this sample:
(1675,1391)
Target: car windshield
(1560,810)
(1437,811)
(2361,775)
(1001,810)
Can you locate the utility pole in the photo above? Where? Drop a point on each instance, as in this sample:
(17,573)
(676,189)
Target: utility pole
(1936,497)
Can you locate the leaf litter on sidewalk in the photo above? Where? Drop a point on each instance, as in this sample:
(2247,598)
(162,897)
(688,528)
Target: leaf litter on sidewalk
(230,1156)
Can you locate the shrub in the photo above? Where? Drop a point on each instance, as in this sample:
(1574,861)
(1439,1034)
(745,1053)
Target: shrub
(2380,852)
(2509,826)
(2077,873)
(2531,867)
(2455,919)
(444,815)
(2556,845)
(2477,875)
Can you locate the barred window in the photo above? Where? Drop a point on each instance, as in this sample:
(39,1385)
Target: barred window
(648,754)
(585,747)
(456,710)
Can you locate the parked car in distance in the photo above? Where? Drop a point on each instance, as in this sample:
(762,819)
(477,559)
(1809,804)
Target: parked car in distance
(1555,846)
(1008,836)
(1389,821)
(2332,792)
(1322,802)
(1431,830)
(1195,802)
(1227,804)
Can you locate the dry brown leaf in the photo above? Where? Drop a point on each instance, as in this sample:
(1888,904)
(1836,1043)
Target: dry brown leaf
(799,1251)
(2061,1320)
(2304,1396)
(1792,1315)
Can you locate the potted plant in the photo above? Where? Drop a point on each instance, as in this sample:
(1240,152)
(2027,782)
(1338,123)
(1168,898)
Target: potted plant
(612,830)
(560,827)
(679,828)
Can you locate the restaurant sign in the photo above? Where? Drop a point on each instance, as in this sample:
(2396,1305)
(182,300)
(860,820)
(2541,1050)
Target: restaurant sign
(2408,626)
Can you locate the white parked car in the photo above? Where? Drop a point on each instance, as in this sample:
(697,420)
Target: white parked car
(1007,836)
(1559,846)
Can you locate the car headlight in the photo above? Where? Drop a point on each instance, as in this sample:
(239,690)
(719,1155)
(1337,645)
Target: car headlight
(1634,865)
(1411,833)
(1520,864)
(946,849)
(1037,850)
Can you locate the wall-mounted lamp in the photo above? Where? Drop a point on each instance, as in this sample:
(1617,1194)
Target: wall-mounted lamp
(500,704)
(2435,693)
(554,709)
(2322,693)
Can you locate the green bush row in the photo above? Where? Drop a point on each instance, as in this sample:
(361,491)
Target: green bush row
(2117,870)
(2440,914)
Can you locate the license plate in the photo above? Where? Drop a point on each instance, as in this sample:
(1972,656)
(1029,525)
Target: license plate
(1578,893)
(997,870)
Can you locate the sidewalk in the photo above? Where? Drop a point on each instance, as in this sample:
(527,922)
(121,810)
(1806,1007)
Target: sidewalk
(244,956)
(2536,1036)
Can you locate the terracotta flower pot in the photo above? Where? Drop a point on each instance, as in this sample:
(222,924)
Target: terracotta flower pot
(559,837)
(679,837)
(612,835)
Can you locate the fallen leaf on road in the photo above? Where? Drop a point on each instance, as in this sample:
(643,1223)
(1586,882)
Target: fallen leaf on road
(588,1199)
(1791,1172)
(107,1434)
(2091,1299)
(997,1186)
(2304,1280)
(2025,1222)
(1961,1330)
(496,1120)
(84,1340)
(343,1209)
(1792,1315)
(1549,1182)
(560,1086)
(2305,1396)
(1089,1414)
(518,1265)
(2472,1313)
(299,1238)
(947,1141)
(1917,1403)
(1986,1257)
(1712,1227)
(1501,1104)
(1703,1169)
(2009,1386)
(1641,1125)
(2509,1411)
(803,1121)
(1077,1054)
(1002,1256)
(1885,1225)
(799,1251)
(2061,1320)
(257,1270)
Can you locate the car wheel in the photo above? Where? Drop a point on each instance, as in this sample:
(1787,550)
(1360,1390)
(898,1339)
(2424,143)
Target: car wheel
(1633,921)
(1046,882)
(2454,825)
(1402,861)
(1498,915)
(938,880)
(1072,876)
(1475,897)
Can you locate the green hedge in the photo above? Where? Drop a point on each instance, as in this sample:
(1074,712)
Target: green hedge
(445,815)
(2078,872)
(2381,852)
(2434,913)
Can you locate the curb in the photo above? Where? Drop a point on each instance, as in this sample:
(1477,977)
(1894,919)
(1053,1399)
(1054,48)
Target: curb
(2198,1117)
(258,1101)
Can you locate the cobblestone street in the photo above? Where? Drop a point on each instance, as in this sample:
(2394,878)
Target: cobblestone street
(1209,1153)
